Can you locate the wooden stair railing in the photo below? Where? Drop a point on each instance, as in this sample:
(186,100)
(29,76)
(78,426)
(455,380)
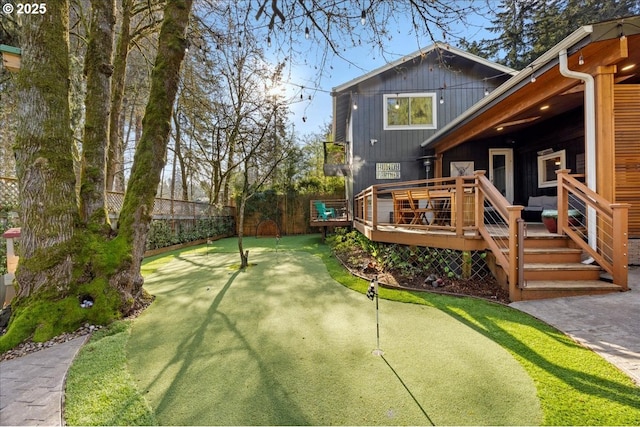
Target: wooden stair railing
(511,260)
(604,232)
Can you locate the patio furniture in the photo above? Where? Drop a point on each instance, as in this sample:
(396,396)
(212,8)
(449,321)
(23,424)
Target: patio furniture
(550,219)
(324,213)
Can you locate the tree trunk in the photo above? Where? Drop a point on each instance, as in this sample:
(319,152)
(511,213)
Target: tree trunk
(98,70)
(114,159)
(44,165)
(244,256)
(150,155)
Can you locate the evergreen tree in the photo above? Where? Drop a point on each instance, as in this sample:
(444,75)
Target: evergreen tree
(526,29)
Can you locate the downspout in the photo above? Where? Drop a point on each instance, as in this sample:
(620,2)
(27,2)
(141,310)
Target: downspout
(590,134)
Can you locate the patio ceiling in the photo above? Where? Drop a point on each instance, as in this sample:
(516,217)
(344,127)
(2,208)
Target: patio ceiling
(522,102)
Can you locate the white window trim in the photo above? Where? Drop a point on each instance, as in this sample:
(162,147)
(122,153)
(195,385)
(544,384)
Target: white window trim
(434,109)
(541,170)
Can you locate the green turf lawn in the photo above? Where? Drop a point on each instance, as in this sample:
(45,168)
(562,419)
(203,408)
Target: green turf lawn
(284,343)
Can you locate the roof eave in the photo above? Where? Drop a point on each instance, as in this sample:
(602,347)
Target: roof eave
(434,46)
(511,84)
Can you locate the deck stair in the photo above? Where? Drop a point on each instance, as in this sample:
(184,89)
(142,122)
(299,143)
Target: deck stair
(553,268)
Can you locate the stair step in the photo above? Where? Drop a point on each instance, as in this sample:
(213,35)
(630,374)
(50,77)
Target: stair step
(551,241)
(584,285)
(550,255)
(561,271)
(541,289)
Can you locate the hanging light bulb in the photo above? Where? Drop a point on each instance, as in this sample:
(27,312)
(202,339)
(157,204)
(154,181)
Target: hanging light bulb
(355,106)
(581,59)
(533,78)
(306,33)
(397,106)
(363,17)
(486,91)
(269,41)
(441,99)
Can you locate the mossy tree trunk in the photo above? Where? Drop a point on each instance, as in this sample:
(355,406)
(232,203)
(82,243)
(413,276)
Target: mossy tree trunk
(98,70)
(61,259)
(114,156)
(150,155)
(43,150)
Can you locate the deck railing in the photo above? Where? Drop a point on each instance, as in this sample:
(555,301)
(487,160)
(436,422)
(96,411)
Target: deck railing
(506,239)
(460,205)
(598,227)
(433,204)
(333,210)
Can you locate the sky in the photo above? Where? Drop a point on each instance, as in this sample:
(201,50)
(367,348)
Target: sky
(309,90)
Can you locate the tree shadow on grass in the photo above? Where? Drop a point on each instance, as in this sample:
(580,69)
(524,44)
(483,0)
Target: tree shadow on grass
(408,391)
(187,354)
(563,370)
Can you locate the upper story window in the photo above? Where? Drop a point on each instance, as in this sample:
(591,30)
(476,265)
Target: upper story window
(410,111)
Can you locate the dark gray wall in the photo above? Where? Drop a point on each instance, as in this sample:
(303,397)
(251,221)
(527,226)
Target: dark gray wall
(465,85)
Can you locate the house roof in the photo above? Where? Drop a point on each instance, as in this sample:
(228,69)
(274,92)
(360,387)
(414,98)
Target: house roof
(516,103)
(437,46)
(341,104)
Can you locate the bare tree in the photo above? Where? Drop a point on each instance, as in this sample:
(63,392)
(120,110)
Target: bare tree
(64,257)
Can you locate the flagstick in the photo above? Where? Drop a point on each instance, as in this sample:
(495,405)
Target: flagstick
(377,351)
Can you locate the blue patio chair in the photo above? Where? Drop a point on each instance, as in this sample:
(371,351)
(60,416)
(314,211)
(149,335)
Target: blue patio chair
(324,212)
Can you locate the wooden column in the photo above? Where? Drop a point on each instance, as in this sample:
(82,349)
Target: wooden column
(605,132)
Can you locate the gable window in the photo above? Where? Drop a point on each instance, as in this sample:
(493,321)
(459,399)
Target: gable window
(410,111)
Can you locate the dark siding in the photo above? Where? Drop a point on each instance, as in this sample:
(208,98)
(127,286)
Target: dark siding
(564,132)
(465,85)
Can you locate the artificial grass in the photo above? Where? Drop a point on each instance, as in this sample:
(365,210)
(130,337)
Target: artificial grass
(574,385)
(99,388)
(283,344)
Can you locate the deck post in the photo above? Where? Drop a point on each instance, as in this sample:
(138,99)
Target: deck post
(563,201)
(479,208)
(620,239)
(459,204)
(374,208)
(515,252)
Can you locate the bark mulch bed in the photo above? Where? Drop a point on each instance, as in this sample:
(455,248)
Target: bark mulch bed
(362,264)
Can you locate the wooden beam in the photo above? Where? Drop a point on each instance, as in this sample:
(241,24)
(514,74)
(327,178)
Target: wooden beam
(605,132)
(546,86)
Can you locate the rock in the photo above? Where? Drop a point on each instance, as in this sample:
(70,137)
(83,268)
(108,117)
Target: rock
(5,315)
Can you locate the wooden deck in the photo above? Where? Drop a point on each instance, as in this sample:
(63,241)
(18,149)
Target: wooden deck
(445,239)
(469,214)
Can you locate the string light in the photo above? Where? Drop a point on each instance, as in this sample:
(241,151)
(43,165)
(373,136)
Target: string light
(581,59)
(397,106)
(441,99)
(533,76)
(363,17)
(355,105)
(486,91)
(306,33)
(269,41)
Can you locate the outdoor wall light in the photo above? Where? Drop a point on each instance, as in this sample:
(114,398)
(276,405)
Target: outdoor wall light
(373,142)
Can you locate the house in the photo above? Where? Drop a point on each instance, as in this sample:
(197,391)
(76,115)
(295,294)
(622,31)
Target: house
(563,132)
(576,107)
(381,118)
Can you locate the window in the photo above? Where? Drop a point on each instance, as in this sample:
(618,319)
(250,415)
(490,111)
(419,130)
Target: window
(548,164)
(410,111)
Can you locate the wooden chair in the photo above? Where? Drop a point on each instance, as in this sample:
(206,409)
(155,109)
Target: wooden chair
(403,211)
(420,200)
